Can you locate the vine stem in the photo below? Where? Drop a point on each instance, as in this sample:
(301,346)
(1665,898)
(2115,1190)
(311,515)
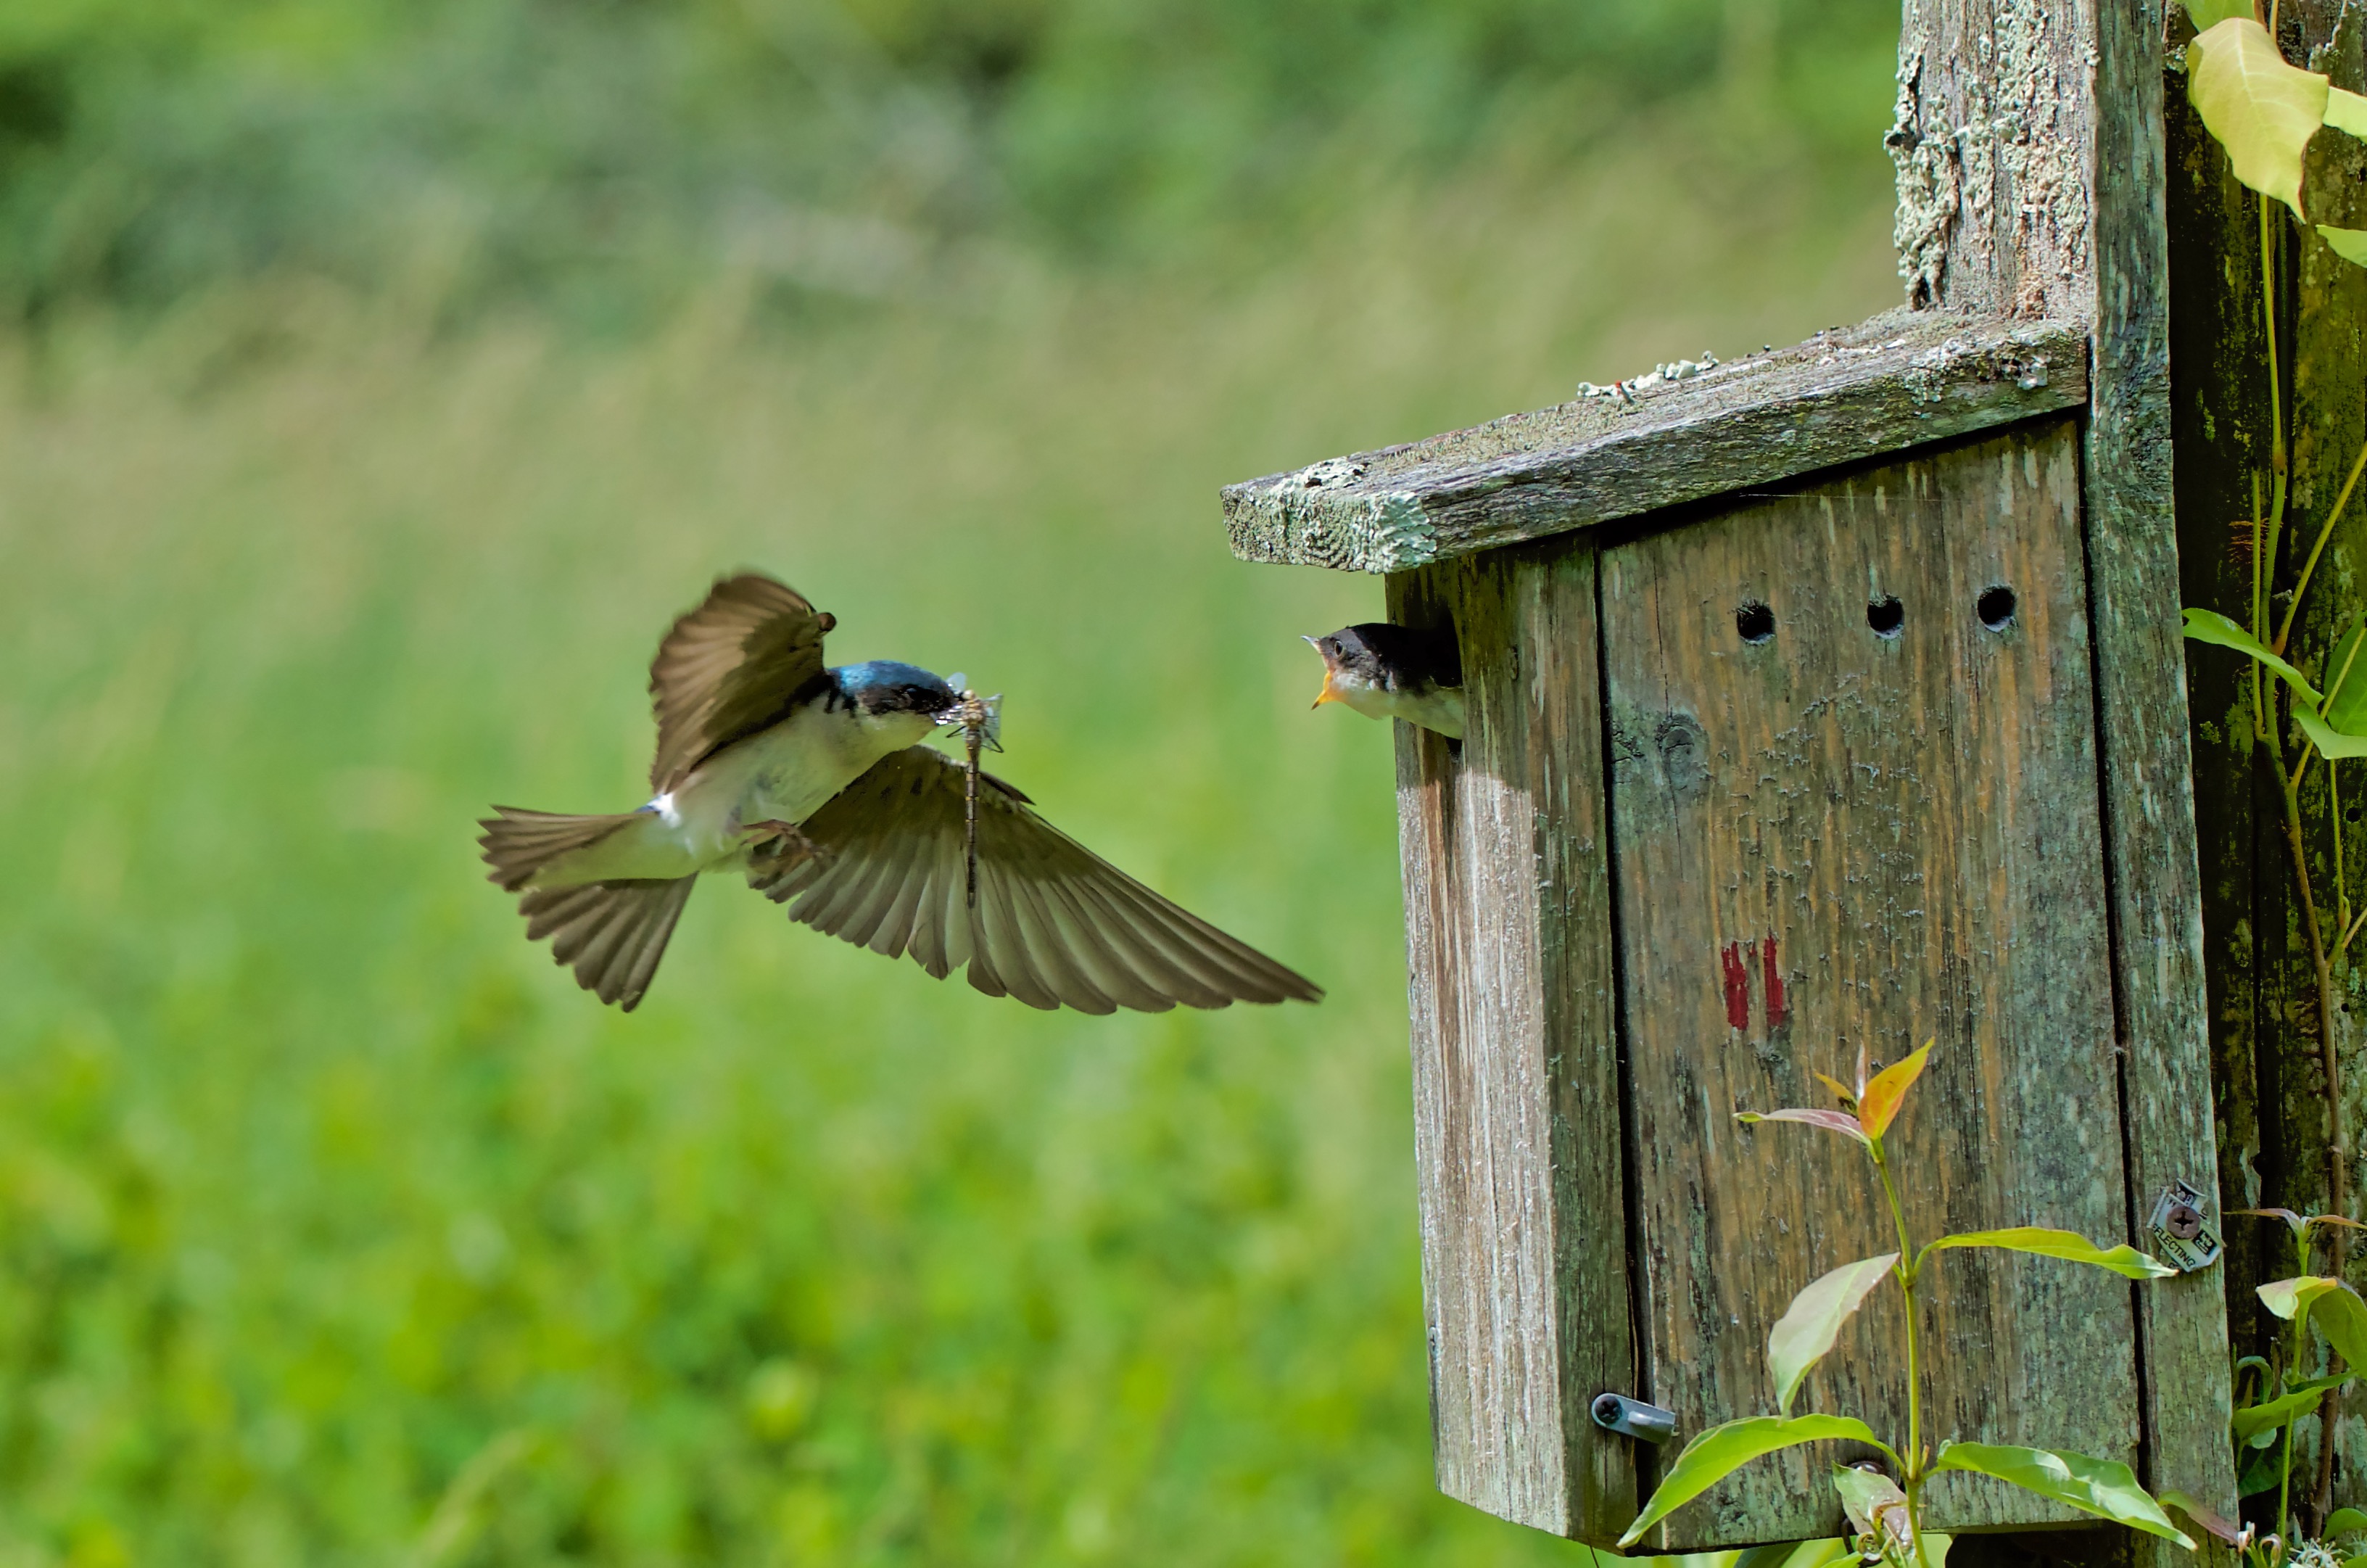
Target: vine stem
(1908,1273)
(2325,532)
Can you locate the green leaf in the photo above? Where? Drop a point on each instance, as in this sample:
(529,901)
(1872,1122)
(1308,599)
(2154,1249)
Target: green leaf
(1719,1452)
(2106,1488)
(2208,14)
(1879,1106)
(2262,110)
(2266,1418)
(2347,112)
(2209,626)
(1830,1120)
(2070,1245)
(2344,1521)
(2286,1298)
(2334,1308)
(2264,1471)
(2346,677)
(2341,1316)
(2351,244)
(1807,1330)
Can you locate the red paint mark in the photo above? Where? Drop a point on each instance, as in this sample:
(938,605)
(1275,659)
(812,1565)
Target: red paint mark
(1776,1012)
(1737,987)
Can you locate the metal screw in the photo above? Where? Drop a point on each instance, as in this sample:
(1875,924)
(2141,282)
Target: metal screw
(2184,1221)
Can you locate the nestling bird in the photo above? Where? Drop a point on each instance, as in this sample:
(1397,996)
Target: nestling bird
(1395,672)
(814,783)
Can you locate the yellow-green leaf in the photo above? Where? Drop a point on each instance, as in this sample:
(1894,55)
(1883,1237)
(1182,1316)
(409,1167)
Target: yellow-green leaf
(2070,1245)
(2337,1310)
(2208,14)
(2106,1488)
(2286,1298)
(2347,111)
(1719,1452)
(1808,1328)
(1879,1104)
(2351,244)
(2262,110)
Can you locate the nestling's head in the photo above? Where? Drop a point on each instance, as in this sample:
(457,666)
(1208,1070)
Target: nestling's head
(1393,672)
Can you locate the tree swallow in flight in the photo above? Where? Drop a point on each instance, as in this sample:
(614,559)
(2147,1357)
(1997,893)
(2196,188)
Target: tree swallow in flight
(813,784)
(1395,672)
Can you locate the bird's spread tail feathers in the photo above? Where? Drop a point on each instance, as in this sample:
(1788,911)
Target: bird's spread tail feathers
(517,843)
(613,932)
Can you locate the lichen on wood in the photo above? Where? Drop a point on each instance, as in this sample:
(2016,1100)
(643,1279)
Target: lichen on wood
(1900,379)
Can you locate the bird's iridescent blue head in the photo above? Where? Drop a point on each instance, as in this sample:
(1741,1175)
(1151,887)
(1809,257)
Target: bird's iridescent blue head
(883,686)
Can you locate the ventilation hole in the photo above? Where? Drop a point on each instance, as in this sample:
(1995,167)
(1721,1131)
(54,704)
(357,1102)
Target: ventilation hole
(1755,621)
(1994,607)
(1885,615)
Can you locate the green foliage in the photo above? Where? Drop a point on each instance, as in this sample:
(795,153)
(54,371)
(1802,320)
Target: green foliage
(2331,1307)
(1884,1508)
(1717,1453)
(2069,1246)
(2105,1488)
(336,1226)
(2209,626)
(1809,1325)
(602,157)
(2262,110)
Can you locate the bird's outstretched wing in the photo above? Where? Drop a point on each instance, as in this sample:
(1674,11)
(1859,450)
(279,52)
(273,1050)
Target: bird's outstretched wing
(1055,925)
(729,668)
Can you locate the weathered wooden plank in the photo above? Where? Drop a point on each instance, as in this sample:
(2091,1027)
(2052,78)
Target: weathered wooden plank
(1898,381)
(1858,834)
(1516,1089)
(2161,1005)
(1995,136)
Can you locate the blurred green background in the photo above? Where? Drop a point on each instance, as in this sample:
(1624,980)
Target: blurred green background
(377,378)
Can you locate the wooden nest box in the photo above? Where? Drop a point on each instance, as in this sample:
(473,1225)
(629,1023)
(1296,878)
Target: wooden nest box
(1827,699)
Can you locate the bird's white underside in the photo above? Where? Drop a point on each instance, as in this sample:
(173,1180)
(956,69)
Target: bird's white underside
(783,774)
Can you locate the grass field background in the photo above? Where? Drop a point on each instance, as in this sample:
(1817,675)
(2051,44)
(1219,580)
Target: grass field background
(336,1226)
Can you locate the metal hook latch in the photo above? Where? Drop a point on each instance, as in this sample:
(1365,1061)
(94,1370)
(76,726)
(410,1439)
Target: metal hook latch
(2182,1237)
(1634,1418)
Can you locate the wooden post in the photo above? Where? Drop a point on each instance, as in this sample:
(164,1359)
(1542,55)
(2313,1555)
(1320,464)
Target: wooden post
(2271,1090)
(1716,819)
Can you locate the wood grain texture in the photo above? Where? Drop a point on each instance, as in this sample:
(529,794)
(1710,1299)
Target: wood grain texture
(1900,832)
(2162,1005)
(1993,137)
(1516,1089)
(1899,379)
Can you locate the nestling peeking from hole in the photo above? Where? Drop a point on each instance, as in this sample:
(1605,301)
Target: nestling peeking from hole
(1385,671)
(1994,607)
(1755,621)
(1885,615)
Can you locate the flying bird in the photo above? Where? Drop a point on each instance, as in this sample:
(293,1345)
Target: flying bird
(1385,671)
(814,783)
